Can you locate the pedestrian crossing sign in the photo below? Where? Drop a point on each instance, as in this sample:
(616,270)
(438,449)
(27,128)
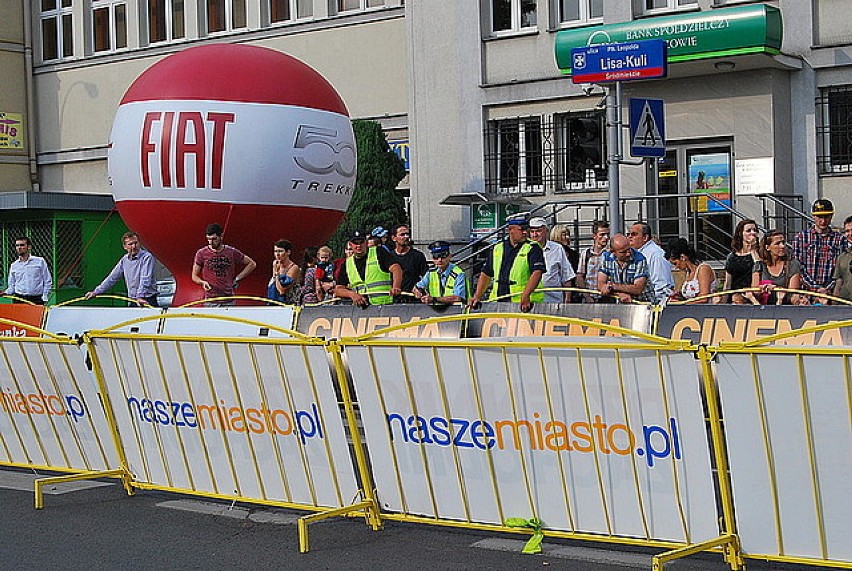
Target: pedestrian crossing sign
(647,128)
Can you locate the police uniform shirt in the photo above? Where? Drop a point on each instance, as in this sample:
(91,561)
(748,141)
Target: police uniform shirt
(535,260)
(386,260)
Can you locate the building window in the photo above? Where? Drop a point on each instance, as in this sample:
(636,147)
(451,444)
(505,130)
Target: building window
(57,37)
(834,131)
(581,151)
(285,10)
(109,25)
(666,5)
(350,5)
(225,15)
(574,11)
(514,155)
(512,15)
(165,20)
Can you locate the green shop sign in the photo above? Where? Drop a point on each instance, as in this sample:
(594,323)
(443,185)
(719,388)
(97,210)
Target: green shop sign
(698,35)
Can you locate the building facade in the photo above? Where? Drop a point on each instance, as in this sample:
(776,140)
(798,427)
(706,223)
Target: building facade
(473,91)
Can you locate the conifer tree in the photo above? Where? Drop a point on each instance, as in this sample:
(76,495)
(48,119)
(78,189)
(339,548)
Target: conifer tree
(375,201)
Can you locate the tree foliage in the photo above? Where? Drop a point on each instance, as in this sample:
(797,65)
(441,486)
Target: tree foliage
(375,201)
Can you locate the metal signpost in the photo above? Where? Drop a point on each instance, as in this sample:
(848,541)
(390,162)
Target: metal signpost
(617,62)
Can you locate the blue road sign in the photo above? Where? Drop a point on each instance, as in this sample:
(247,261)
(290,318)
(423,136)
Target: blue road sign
(642,59)
(647,128)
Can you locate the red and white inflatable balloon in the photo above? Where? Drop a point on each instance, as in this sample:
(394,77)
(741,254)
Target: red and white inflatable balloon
(241,135)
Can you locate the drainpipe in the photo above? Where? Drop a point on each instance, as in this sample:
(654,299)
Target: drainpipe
(30,87)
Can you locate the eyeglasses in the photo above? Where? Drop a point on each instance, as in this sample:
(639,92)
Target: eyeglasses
(440,256)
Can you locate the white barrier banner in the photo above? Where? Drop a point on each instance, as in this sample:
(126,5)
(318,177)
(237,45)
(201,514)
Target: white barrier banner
(790,452)
(241,419)
(279,316)
(50,412)
(74,321)
(593,441)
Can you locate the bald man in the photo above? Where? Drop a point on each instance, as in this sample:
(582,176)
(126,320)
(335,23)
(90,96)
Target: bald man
(624,272)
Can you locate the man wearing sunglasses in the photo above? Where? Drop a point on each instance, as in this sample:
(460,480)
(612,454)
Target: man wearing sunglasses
(446,283)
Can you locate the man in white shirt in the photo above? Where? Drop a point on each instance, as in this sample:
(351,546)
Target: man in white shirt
(29,276)
(559,270)
(659,268)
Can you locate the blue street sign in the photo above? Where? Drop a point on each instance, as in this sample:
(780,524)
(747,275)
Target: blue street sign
(642,59)
(647,128)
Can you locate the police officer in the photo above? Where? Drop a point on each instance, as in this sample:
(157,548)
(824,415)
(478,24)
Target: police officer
(371,275)
(517,264)
(446,283)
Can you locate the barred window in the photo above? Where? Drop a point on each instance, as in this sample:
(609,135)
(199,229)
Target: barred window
(581,142)
(514,155)
(834,130)
(534,155)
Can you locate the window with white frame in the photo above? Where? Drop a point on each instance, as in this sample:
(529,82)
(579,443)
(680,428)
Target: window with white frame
(225,15)
(350,5)
(109,25)
(577,11)
(512,15)
(834,131)
(57,37)
(666,5)
(513,155)
(285,10)
(166,20)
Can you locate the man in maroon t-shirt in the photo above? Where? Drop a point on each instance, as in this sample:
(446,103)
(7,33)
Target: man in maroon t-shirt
(215,265)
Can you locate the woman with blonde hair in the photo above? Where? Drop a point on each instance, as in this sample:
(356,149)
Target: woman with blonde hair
(562,235)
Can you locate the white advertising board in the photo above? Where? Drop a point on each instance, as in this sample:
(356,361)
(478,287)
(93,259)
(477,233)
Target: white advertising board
(50,413)
(250,420)
(74,321)
(789,445)
(488,433)
(278,316)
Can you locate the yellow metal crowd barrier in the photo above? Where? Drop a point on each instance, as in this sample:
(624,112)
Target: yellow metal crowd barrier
(50,415)
(599,438)
(246,419)
(788,433)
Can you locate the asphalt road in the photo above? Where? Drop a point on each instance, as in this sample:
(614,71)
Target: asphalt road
(90,526)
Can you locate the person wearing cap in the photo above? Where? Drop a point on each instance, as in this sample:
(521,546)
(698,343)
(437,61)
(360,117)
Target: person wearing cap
(560,273)
(370,276)
(411,260)
(817,249)
(516,264)
(378,237)
(446,283)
